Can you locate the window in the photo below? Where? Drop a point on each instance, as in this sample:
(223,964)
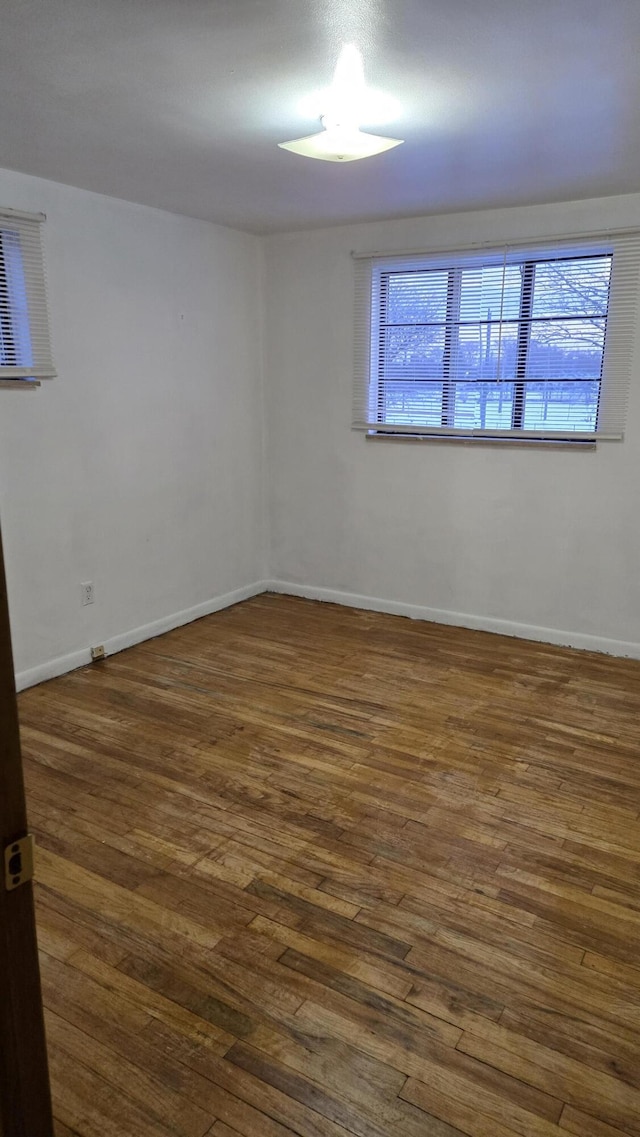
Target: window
(25,354)
(529,342)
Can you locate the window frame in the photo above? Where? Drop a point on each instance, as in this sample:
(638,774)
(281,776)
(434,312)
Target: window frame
(25,342)
(7,337)
(373,272)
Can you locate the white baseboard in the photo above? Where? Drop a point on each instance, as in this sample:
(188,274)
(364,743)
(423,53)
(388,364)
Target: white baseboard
(64,663)
(555,636)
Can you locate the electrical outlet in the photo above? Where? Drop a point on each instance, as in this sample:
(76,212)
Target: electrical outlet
(87,592)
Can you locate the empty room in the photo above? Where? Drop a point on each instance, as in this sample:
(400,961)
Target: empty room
(320,568)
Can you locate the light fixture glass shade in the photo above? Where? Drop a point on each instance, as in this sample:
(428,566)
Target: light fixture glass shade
(347,103)
(340,144)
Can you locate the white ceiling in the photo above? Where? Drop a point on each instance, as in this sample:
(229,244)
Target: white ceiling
(180,103)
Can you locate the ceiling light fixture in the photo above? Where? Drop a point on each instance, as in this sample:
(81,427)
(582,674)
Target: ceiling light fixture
(346,103)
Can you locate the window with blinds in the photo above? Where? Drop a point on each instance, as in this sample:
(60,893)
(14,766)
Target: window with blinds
(529,342)
(25,352)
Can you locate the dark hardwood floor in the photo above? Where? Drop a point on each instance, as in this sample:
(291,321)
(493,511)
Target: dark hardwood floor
(310,870)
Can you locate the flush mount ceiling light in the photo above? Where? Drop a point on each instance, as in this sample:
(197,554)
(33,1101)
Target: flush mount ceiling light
(346,104)
(340,142)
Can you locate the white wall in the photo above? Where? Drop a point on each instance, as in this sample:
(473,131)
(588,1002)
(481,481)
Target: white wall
(546,541)
(140,466)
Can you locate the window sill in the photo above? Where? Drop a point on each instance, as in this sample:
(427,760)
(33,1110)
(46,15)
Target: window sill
(469,440)
(22,384)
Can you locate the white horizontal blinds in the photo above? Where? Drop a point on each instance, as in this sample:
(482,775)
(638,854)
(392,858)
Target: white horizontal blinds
(620,344)
(533,341)
(365,374)
(25,351)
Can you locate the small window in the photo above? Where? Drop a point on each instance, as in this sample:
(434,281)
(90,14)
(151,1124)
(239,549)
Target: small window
(529,343)
(25,353)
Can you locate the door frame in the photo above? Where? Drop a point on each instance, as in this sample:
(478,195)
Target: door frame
(25,1098)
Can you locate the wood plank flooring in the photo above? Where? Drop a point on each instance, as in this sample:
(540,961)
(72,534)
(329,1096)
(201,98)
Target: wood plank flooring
(310,870)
